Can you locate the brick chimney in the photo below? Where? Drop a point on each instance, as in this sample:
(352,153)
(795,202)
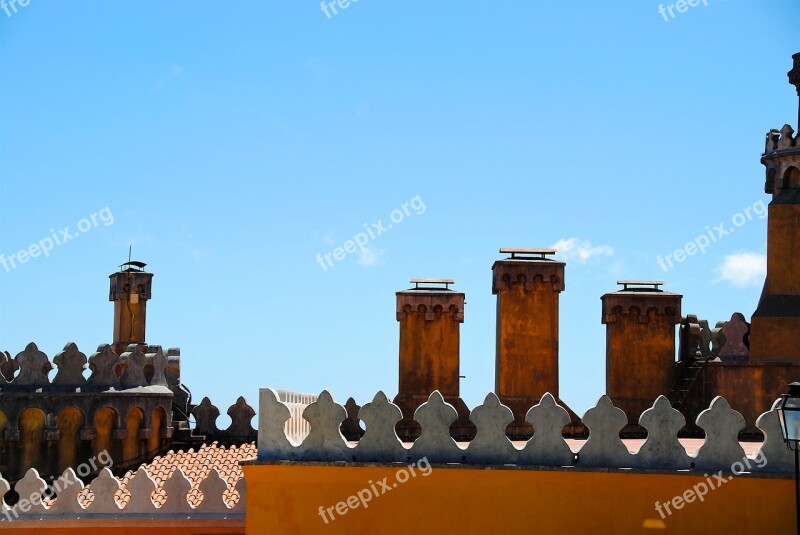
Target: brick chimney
(527,285)
(430,315)
(640,324)
(130,289)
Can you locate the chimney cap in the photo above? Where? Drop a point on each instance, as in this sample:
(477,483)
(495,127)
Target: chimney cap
(437,282)
(133,265)
(655,286)
(527,253)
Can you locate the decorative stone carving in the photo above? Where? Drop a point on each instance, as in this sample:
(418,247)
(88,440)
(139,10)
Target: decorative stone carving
(325,441)
(490,445)
(71,363)
(132,361)
(662,448)
(104,364)
(721,447)
(604,448)
(435,443)
(380,442)
(33,367)
(547,446)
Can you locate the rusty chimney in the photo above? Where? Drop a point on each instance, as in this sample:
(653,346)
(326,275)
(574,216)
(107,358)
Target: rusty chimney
(430,315)
(640,324)
(130,290)
(527,285)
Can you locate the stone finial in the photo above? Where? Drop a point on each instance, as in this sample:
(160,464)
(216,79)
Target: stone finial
(547,447)
(773,455)
(490,445)
(205,418)
(722,425)
(132,362)
(380,442)
(604,448)
(141,487)
(350,427)
(241,490)
(71,363)
(662,449)
(435,417)
(159,363)
(273,444)
(68,488)
(241,414)
(177,489)
(33,367)
(325,441)
(103,364)
(30,488)
(213,487)
(7,367)
(734,333)
(104,487)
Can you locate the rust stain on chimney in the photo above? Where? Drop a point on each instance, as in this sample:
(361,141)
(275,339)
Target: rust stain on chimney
(430,315)
(527,285)
(640,324)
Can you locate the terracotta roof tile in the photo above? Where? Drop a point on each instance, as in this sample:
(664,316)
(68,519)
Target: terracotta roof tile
(196,465)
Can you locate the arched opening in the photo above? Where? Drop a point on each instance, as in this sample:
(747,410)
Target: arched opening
(132,446)
(159,424)
(104,422)
(791,179)
(31,424)
(70,422)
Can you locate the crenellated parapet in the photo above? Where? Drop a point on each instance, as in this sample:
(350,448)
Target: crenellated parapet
(527,274)
(140,495)
(29,371)
(782,160)
(428,304)
(641,306)
(491,446)
(241,430)
(55,414)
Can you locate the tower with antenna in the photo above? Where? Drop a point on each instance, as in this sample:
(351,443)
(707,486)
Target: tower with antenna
(130,290)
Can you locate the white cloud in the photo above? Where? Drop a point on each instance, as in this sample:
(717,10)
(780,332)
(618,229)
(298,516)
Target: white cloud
(742,269)
(579,250)
(371,257)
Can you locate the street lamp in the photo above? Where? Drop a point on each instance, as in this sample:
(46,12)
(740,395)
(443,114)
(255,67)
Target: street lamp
(789,415)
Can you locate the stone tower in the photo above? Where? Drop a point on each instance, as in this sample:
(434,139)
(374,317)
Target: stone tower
(130,290)
(776,321)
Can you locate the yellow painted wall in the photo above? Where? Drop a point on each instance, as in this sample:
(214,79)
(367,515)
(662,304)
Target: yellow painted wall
(285,499)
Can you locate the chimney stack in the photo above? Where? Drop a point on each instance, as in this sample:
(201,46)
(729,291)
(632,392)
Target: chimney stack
(640,324)
(527,285)
(130,289)
(430,316)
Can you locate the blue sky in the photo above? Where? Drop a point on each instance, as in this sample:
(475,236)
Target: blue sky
(233,142)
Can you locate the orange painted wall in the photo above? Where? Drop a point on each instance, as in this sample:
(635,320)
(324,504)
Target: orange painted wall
(283,498)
